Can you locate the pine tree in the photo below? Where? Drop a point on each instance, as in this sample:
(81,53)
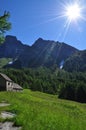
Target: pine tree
(4,25)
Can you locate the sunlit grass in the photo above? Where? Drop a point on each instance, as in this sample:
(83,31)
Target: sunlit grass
(40,111)
(4,61)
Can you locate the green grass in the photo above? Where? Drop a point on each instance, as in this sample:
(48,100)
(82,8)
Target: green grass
(40,111)
(4,61)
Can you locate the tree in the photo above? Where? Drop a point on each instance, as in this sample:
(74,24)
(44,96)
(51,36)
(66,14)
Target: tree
(4,25)
(67,91)
(81,93)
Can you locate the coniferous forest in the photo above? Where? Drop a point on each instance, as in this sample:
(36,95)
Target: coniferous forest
(66,85)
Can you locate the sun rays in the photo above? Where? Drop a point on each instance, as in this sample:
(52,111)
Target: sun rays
(68,15)
(73,12)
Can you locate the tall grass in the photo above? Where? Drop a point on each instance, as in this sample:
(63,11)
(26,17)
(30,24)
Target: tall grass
(40,111)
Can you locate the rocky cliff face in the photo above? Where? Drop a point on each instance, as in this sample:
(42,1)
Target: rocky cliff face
(41,53)
(11,48)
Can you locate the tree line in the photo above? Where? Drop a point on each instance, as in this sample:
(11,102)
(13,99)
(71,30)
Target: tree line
(66,85)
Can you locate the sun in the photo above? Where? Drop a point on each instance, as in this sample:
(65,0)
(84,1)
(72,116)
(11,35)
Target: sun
(73,12)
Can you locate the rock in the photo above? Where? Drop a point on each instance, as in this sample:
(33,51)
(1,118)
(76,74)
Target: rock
(8,126)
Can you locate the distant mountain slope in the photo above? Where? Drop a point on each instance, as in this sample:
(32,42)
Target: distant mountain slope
(46,53)
(41,53)
(76,62)
(12,47)
(4,61)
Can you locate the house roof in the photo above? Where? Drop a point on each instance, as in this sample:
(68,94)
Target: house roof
(17,87)
(5,77)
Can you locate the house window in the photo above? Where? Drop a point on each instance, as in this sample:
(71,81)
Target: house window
(8,83)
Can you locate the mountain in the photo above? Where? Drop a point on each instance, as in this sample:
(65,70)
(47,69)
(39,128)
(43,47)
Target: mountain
(41,53)
(12,47)
(76,62)
(47,53)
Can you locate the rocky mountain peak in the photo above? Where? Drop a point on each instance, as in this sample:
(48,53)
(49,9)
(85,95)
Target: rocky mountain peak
(41,53)
(10,38)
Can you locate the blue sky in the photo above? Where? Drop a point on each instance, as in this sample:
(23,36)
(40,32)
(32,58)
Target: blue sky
(32,19)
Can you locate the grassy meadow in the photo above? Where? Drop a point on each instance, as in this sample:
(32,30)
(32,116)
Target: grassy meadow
(4,61)
(40,111)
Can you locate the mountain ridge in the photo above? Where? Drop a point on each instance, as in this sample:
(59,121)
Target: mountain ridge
(41,53)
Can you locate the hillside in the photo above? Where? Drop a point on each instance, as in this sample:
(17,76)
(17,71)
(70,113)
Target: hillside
(41,53)
(39,111)
(76,62)
(4,61)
